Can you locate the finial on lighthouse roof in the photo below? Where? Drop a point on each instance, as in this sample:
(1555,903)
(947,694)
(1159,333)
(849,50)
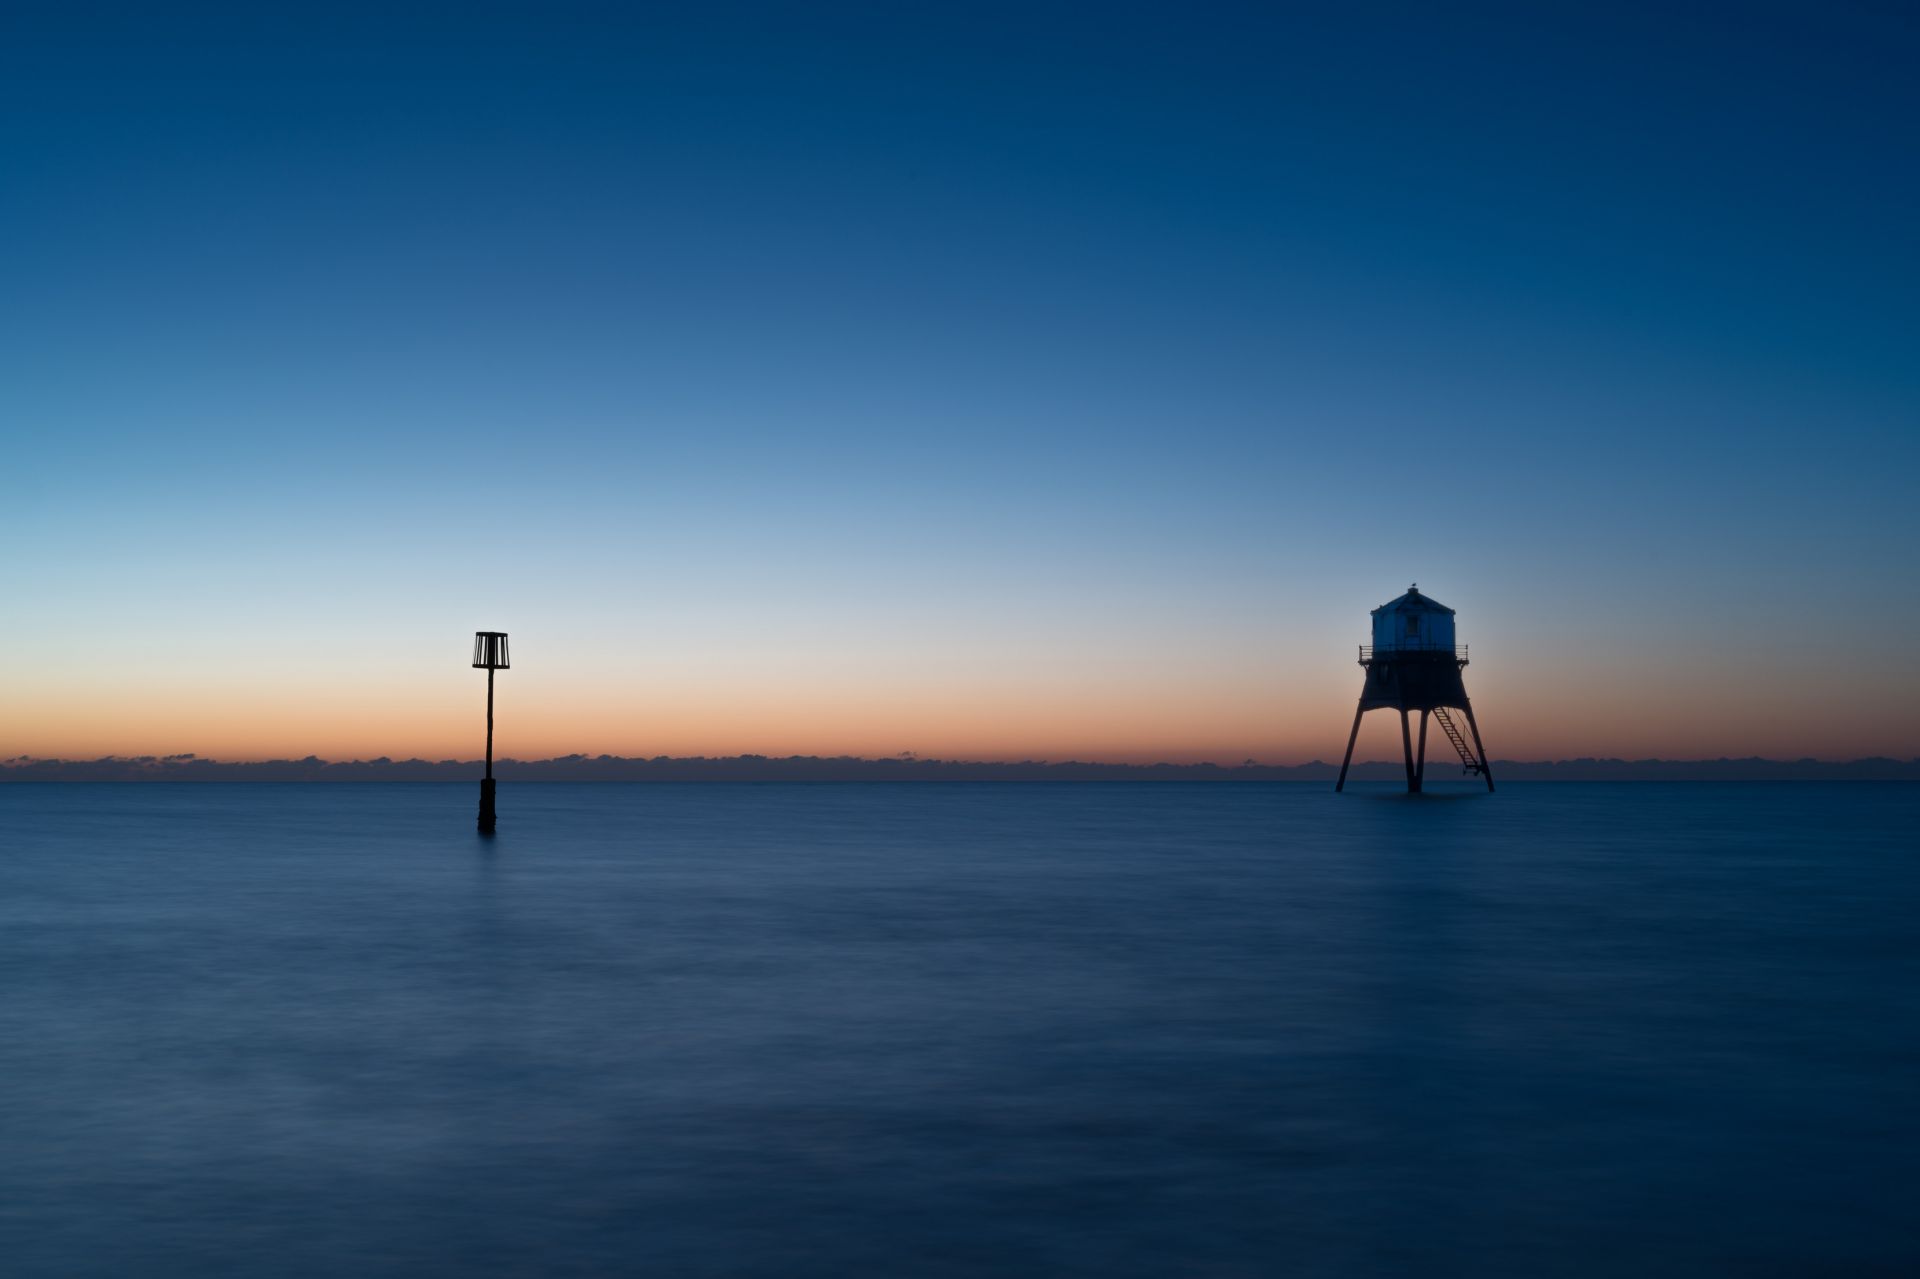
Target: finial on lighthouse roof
(1414,589)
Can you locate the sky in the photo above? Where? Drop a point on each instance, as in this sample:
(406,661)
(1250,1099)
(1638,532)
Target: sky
(979,381)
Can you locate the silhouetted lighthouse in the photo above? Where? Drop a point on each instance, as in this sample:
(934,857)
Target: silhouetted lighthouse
(1412,665)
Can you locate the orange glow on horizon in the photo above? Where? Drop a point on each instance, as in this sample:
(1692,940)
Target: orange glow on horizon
(1100,719)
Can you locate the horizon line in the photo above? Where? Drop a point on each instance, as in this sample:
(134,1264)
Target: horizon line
(188,766)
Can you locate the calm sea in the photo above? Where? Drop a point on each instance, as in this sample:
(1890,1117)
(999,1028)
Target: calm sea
(1052,1029)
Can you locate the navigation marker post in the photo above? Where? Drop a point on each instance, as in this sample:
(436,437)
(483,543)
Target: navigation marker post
(490,653)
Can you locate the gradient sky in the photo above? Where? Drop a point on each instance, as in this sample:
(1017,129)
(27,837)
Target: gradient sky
(984,381)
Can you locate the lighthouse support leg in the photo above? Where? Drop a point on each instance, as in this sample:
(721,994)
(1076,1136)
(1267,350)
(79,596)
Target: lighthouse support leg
(1406,750)
(1420,758)
(1474,727)
(1352,737)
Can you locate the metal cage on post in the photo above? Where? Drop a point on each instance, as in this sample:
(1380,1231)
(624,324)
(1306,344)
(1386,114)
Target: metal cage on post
(490,655)
(490,650)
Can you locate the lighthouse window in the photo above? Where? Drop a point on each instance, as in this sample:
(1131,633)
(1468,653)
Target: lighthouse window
(1413,626)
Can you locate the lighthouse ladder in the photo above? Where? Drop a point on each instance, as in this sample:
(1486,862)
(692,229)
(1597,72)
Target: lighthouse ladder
(1452,730)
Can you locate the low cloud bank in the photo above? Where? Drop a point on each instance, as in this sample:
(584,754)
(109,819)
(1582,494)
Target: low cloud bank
(846,768)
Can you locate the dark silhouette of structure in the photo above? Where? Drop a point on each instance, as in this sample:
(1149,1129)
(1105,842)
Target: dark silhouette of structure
(490,652)
(1412,665)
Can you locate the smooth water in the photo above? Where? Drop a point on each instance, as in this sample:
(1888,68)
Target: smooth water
(895,1029)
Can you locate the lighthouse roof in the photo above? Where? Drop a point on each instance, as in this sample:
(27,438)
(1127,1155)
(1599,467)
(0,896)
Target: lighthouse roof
(1414,602)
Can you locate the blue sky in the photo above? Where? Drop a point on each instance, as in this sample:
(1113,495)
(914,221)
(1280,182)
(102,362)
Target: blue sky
(987,380)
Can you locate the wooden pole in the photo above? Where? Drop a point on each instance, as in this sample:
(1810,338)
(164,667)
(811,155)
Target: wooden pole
(486,783)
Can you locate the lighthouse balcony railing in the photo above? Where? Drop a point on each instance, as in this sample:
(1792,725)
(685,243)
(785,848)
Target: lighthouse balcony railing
(1368,651)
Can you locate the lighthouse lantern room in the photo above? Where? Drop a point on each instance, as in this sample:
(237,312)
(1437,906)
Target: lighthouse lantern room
(1413,623)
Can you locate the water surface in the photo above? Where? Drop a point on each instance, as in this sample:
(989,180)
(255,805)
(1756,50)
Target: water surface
(960,1029)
